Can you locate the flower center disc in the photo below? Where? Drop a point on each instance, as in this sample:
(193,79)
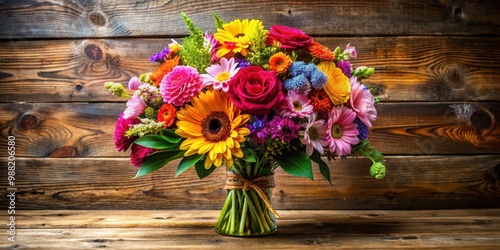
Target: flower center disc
(297,105)
(313,133)
(337,131)
(216,126)
(223,76)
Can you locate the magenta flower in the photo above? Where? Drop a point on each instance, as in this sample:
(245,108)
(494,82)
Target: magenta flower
(182,83)
(138,154)
(342,131)
(135,107)
(284,129)
(362,102)
(296,105)
(315,136)
(122,142)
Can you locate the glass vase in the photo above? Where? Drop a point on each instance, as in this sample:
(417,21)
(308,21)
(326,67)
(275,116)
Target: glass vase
(247,210)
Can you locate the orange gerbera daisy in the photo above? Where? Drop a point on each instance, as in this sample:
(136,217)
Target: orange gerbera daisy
(320,51)
(164,69)
(280,62)
(166,114)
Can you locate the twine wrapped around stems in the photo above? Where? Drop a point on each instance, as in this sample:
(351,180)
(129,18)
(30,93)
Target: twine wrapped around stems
(235,181)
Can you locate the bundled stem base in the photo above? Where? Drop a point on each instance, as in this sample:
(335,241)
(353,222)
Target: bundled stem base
(247,210)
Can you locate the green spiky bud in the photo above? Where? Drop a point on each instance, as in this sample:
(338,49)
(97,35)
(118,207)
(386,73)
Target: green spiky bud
(116,89)
(150,113)
(363,72)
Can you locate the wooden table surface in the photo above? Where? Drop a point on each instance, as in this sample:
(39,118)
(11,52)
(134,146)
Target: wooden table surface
(297,229)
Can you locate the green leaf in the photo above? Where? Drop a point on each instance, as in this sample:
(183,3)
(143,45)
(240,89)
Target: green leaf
(249,155)
(157,160)
(218,22)
(170,135)
(201,171)
(296,163)
(323,167)
(187,162)
(155,142)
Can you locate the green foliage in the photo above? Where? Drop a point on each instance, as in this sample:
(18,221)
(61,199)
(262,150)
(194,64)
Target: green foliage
(218,22)
(167,139)
(363,72)
(193,52)
(259,53)
(296,163)
(201,171)
(323,167)
(157,160)
(249,155)
(187,162)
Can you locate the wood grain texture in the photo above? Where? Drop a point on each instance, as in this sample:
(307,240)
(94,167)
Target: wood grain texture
(407,68)
(62,19)
(425,182)
(304,229)
(86,129)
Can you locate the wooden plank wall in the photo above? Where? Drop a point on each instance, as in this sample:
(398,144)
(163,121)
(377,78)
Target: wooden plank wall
(437,76)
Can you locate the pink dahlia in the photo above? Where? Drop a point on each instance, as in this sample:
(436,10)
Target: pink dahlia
(315,136)
(138,154)
(296,105)
(135,107)
(219,74)
(362,102)
(122,142)
(182,83)
(342,131)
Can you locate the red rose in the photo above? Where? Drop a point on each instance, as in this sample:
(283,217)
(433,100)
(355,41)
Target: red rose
(288,38)
(255,91)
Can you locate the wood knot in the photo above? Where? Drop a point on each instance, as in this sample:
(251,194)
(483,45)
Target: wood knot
(457,12)
(481,119)
(28,121)
(456,76)
(93,52)
(97,19)
(64,152)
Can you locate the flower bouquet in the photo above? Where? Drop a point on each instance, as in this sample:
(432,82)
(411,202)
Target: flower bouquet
(251,100)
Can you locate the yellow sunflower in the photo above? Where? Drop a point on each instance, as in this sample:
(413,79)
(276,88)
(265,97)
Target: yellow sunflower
(337,86)
(234,37)
(213,125)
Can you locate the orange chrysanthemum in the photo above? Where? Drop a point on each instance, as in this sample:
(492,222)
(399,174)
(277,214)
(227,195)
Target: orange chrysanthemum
(166,114)
(280,62)
(321,52)
(320,101)
(164,69)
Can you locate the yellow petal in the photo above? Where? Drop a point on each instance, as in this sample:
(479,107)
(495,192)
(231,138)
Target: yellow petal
(208,163)
(229,142)
(237,152)
(205,148)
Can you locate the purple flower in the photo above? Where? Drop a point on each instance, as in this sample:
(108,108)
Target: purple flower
(160,57)
(345,66)
(242,62)
(284,129)
(122,142)
(138,154)
(258,129)
(362,129)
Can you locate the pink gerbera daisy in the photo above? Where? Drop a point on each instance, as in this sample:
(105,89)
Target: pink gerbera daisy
(362,102)
(296,105)
(342,131)
(219,74)
(314,137)
(182,83)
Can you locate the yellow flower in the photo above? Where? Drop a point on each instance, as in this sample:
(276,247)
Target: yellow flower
(235,36)
(337,86)
(213,125)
